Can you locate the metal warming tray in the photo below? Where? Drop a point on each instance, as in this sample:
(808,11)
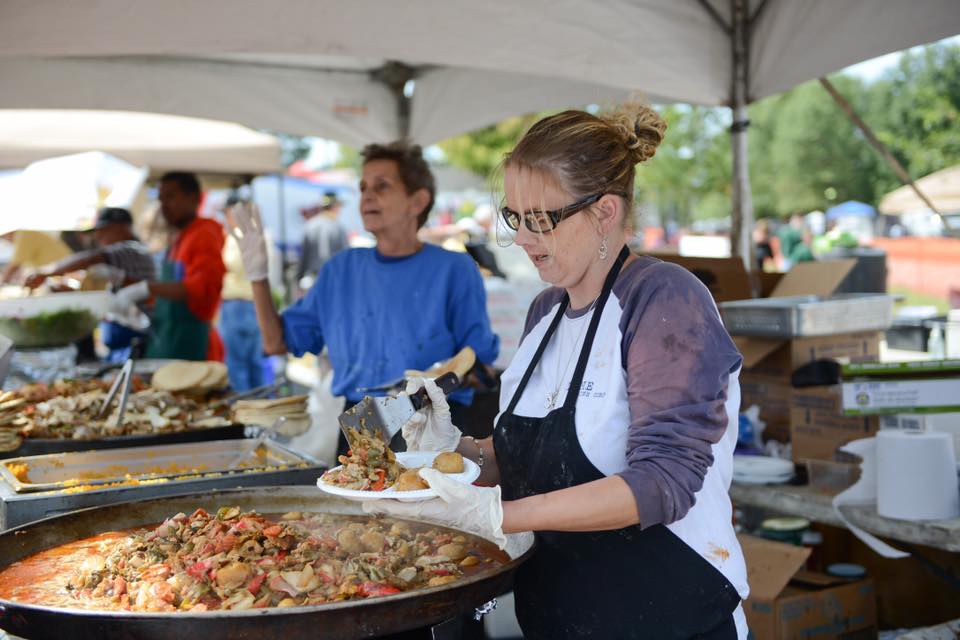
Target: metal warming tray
(17,508)
(798,316)
(43,446)
(64,470)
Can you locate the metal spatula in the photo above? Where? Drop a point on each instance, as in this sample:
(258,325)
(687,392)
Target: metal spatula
(386,415)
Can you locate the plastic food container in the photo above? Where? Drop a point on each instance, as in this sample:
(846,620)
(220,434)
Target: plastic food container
(789,530)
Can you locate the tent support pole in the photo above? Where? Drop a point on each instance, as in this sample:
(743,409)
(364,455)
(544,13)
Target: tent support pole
(875,142)
(395,76)
(741,219)
(282,228)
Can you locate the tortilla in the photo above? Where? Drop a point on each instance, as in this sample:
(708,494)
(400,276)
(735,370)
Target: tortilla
(460,364)
(180,375)
(216,377)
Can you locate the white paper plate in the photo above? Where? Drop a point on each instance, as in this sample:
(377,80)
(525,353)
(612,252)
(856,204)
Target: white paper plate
(762,466)
(749,479)
(409,459)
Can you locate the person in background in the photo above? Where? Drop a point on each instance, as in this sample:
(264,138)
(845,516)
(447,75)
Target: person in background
(238,320)
(187,293)
(802,251)
(379,311)
(761,240)
(128,261)
(323,237)
(618,414)
(31,250)
(790,235)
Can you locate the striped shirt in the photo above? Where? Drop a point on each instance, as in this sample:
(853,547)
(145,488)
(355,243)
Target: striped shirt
(131,257)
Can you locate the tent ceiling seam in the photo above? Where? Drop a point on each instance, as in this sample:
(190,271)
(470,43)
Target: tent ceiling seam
(709,8)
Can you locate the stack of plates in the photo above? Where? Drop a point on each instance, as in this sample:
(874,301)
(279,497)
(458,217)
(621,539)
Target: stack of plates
(761,470)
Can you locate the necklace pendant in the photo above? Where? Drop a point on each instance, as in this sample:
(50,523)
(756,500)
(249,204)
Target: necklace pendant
(552,399)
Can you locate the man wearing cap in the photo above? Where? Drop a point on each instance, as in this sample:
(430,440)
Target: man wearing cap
(323,236)
(187,292)
(117,247)
(123,254)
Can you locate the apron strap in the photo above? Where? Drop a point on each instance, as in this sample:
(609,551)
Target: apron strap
(574,389)
(539,354)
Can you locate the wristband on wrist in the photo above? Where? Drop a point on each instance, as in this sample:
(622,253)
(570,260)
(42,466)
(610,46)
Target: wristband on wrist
(479,450)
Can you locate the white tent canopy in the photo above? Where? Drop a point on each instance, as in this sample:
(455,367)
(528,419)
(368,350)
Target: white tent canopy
(63,193)
(327,68)
(342,69)
(161,142)
(941,187)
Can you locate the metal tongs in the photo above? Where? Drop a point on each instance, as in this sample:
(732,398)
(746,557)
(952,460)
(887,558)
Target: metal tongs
(120,384)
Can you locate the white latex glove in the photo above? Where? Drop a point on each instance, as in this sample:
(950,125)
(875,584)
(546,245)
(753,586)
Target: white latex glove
(122,300)
(246,227)
(476,510)
(430,429)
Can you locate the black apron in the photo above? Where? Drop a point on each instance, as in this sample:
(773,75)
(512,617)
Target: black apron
(626,583)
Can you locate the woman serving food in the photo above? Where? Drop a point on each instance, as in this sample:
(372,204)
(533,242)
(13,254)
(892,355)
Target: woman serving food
(618,414)
(400,305)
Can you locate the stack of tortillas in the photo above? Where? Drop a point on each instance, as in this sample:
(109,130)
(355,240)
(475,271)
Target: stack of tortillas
(11,420)
(266,412)
(184,376)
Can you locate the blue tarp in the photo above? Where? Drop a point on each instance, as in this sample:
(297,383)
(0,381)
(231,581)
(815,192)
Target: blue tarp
(851,208)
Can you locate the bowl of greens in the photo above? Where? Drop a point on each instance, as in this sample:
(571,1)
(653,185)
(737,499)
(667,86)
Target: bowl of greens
(52,320)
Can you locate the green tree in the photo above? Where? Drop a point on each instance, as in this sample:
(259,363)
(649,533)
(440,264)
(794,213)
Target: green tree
(804,149)
(914,109)
(482,151)
(691,166)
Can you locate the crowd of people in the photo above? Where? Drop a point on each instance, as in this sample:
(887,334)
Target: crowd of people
(618,413)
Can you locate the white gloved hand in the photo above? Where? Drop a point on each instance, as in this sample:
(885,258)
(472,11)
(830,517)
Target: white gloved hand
(476,510)
(246,227)
(122,300)
(431,428)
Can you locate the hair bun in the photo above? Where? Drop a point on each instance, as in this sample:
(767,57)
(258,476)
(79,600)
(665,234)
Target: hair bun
(641,128)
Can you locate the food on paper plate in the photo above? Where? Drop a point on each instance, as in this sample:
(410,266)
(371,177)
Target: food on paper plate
(369,465)
(448,462)
(235,560)
(410,480)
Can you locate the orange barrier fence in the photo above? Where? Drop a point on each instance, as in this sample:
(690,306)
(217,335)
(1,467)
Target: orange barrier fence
(928,265)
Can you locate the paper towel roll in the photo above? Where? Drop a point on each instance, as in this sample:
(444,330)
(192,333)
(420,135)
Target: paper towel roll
(864,493)
(916,475)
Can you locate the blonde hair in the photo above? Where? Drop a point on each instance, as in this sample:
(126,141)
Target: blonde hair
(588,154)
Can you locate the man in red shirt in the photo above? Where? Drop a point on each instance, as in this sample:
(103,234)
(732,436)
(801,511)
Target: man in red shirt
(191,277)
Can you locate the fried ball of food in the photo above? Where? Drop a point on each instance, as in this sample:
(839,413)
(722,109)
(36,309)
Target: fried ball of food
(410,480)
(449,462)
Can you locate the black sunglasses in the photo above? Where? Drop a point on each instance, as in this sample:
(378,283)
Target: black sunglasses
(544,221)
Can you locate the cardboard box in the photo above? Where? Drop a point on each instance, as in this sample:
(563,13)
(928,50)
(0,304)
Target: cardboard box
(772,394)
(786,602)
(931,386)
(726,278)
(818,426)
(780,358)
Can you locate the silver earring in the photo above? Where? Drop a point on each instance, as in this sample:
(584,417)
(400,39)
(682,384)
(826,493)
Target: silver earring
(603,248)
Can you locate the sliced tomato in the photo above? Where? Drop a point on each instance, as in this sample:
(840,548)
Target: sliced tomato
(254,585)
(381,481)
(273,532)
